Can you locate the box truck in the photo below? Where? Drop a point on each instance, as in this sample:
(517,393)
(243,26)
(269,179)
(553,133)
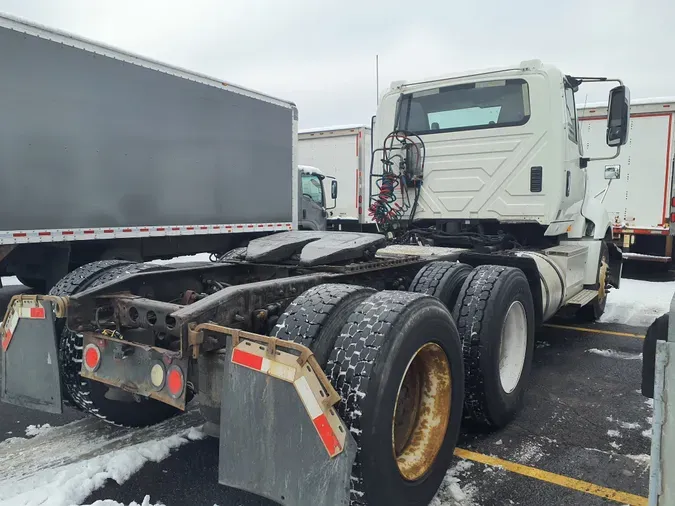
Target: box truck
(637,187)
(343,153)
(331,363)
(107,155)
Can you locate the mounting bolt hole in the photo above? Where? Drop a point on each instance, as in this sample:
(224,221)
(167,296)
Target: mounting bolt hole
(152,317)
(170,322)
(133,314)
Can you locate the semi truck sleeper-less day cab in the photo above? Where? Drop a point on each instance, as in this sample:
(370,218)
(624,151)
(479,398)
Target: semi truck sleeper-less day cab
(335,367)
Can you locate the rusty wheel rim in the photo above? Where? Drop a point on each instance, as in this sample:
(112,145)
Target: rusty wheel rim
(422,411)
(602,279)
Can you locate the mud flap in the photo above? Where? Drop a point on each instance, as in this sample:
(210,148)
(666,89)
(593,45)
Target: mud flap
(615,264)
(270,441)
(30,368)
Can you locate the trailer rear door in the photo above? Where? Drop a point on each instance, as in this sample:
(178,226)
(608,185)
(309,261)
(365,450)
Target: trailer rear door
(336,153)
(640,197)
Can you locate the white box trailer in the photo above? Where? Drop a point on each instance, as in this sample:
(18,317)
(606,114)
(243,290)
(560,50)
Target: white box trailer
(342,152)
(640,201)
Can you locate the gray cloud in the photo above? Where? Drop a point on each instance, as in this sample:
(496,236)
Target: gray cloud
(322,55)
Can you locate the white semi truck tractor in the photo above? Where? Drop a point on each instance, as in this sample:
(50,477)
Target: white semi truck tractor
(336,368)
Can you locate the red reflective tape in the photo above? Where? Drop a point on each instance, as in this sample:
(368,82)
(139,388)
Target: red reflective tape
(216,227)
(37,312)
(20,234)
(260,226)
(175,228)
(160,229)
(145,230)
(190,228)
(44,233)
(88,231)
(126,230)
(328,437)
(108,231)
(204,227)
(6,338)
(270,225)
(250,226)
(238,226)
(247,359)
(67,232)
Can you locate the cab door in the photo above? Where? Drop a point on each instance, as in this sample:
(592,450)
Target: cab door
(313,211)
(574,176)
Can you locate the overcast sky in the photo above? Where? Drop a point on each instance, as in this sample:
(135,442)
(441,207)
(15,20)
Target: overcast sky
(321,54)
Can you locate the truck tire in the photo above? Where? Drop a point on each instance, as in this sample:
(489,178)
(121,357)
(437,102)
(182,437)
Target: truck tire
(495,318)
(657,331)
(87,395)
(399,354)
(315,318)
(594,310)
(441,279)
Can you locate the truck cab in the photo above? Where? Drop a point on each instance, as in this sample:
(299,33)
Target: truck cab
(500,145)
(313,211)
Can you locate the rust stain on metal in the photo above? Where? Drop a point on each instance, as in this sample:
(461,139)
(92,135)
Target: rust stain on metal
(419,435)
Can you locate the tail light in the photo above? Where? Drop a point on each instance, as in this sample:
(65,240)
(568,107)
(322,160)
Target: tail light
(92,357)
(158,376)
(175,381)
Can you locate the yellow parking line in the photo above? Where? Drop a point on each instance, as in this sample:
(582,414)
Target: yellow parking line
(595,331)
(556,479)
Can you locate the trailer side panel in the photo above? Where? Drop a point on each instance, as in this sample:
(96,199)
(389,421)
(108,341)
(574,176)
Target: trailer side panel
(91,141)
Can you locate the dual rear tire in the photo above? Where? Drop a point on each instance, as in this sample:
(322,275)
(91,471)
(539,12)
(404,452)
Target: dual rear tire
(494,312)
(395,359)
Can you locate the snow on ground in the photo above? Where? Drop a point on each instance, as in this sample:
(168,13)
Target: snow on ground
(64,465)
(110,502)
(36,430)
(637,302)
(451,493)
(616,354)
(200,257)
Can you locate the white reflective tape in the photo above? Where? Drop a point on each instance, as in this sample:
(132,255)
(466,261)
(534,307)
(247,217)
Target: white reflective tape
(84,234)
(281,371)
(308,399)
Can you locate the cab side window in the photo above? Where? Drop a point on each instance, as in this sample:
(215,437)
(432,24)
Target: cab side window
(571,115)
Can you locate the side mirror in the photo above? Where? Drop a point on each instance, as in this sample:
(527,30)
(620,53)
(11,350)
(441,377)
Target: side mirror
(333,189)
(618,116)
(612,172)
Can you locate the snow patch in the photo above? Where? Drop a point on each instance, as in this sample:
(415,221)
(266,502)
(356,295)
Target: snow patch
(529,452)
(616,354)
(647,433)
(37,430)
(64,465)
(615,445)
(451,493)
(640,459)
(613,433)
(638,303)
(110,502)
(10,280)
(199,257)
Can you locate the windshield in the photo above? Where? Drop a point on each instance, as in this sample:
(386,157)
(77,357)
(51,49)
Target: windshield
(312,188)
(491,104)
